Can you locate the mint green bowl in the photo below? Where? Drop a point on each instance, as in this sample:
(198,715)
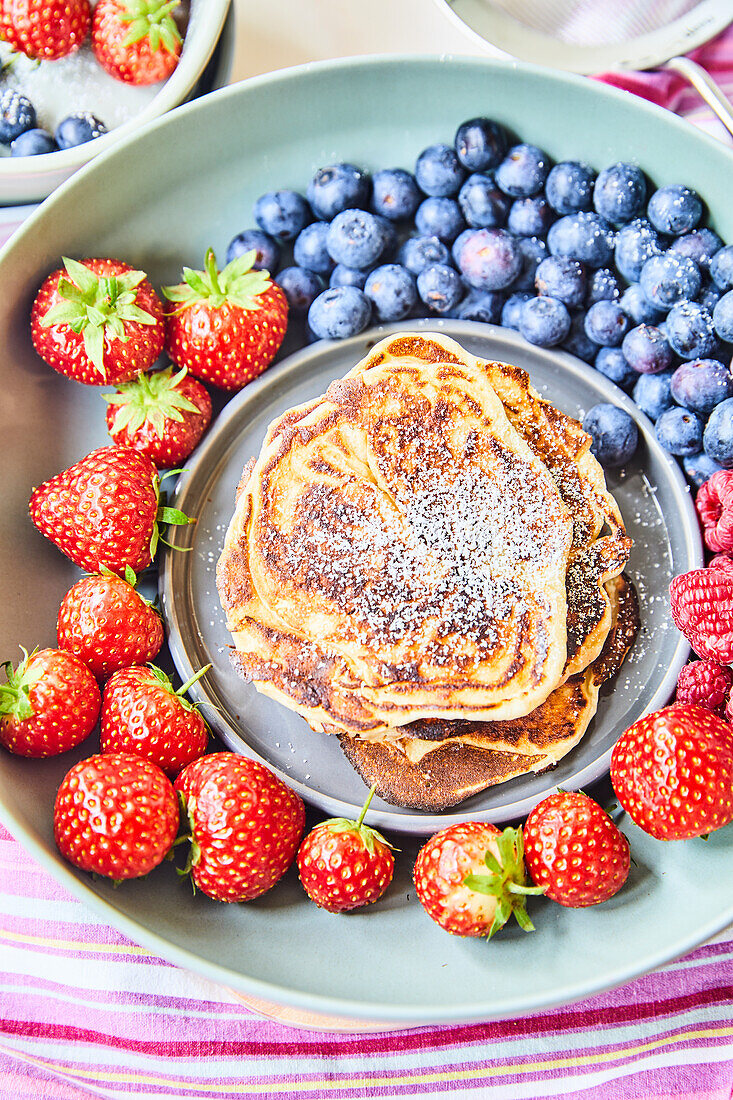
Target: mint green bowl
(189,181)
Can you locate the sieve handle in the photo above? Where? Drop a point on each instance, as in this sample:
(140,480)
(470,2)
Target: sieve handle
(703,83)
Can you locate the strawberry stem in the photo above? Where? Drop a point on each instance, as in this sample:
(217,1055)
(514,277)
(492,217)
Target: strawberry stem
(365,807)
(192,680)
(507,881)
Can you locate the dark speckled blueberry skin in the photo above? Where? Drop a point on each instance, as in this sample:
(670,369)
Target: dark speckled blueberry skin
(355,238)
(310,248)
(489,259)
(523,171)
(480,144)
(585,236)
(439,217)
(339,312)
(674,209)
(78,129)
(701,245)
(668,279)
(690,330)
(721,268)
(266,247)
(392,291)
(569,187)
(577,342)
(338,187)
(614,434)
(702,384)
(635,244)
(395,194)
(282,214)
(606,323)
(723,317)
(619,193)
(300,286)
(440,287)
(17,114)
(611,362)
(718,438)
(544,322)
(647,349)
(680,431)
(33,143)
(603,286)
(653,393)
(513,307)
(562,278)
(641,311)
(482,204)
(438,170)
(417,253)
(534,250)
(699,468)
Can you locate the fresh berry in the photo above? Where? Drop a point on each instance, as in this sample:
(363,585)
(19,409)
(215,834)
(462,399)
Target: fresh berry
(606,323)
(569,187)
(714,503)
(482,204)
(578,343)
(282,214)
(355,238)
(614,434)
(245,825)
(108,624)
(98,322)
(584,236)
(723,317)
(161,414)
(300,286)
(78,129)
(45,29)
(702,384)
(670,278)
(226,326)
(144,715)
(702,608)
(653,393)
(392,291)
(672,771)
(699,468)
(104,510)
(544,321)
(346,276)
(417,253)
(611,363)
(718,436)
(438,170)
(345,864)
(488,259)
(574,850)
(705,683)
(310,250)
(532,250)
(480,305)
(603,286)
(265,247)
(17,114)
(49,704)
(523,171)
(530,217)
(690,330)
(721,561)
(338,187)
(647,349)
(480,144)
(440,288)
(634,302)
(721,268)
(674,209)
(136,41)
(562,279)
(701,245)
(33,143)
(680,431)
(635,244)
(441,218)
(395,194)
(116,815)
(511,311)
(339,312)
(470,878)
(619,193)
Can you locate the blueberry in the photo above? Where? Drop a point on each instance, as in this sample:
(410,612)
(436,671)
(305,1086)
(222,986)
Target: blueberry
(690,331)
(718,437)
(647,350)
(17,114)
(635,244)
(339,312)
(699,468)
(721,268)
(606,323)
(483,205)
(523,171)
(680,431)
(668,279)
(603,286)
(702,384)
(418,253)
(78,129)
(480,144)
(709,296)
(578,343)
(619,193)
(300,286)
(530,217)
(701,245)
(569,187)
(395,194)
(641,311)
(438,170)
(674,209)
(611,363)
(585,236)
(723,317)
(282,214)
(266,247)
(439,217)
(481,305)
(389,238)
(348,276)
(512,308)
(310,248)
(33,143)
(338,187)
(489,259)
(653,393)
(355,238)
(533,251)
(614,434)
(562,278)
(392,291)
(544,321)
(440,287)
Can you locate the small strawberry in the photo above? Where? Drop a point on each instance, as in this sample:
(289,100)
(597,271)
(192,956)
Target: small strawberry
(144,715)
(470,878)
(104,510)
(702,608)
(45,29)
(245,825)
(704,683)
(107,624)
(161,414)
(345,864)
(574,850)
(673,772)
(227,325)
(98,322)
(136,41)
(116,815)
(49,704)
(714,503)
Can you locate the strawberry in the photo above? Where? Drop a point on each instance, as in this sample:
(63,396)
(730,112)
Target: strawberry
(470,878)
(345,864)
(143,714)
(116,815)
(705,683)
(673,772)
(136,41)
(45,29)
(245,825)
(574,850)
(98,322)
(107,624)
(702,608)
(104,510)
(161,414)
(49,704)
(714,503)
(228,325)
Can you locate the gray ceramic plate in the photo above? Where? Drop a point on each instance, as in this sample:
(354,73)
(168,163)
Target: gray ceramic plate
(654,501)
(211,160)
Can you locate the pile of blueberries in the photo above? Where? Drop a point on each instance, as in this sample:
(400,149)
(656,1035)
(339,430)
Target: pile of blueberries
(19,129)
(624,277)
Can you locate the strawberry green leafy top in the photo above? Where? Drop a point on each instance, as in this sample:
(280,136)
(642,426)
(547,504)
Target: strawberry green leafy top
(238,283)
(152,20)
(506,881)
(153,398)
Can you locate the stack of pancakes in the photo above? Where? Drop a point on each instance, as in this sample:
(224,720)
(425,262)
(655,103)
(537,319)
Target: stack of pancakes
(426,562)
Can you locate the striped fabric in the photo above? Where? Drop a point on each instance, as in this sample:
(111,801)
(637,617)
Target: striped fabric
(85,1012)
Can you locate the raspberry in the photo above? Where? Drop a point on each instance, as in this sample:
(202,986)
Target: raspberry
(714,503)
(702,608)
(705,683)
(721,561)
